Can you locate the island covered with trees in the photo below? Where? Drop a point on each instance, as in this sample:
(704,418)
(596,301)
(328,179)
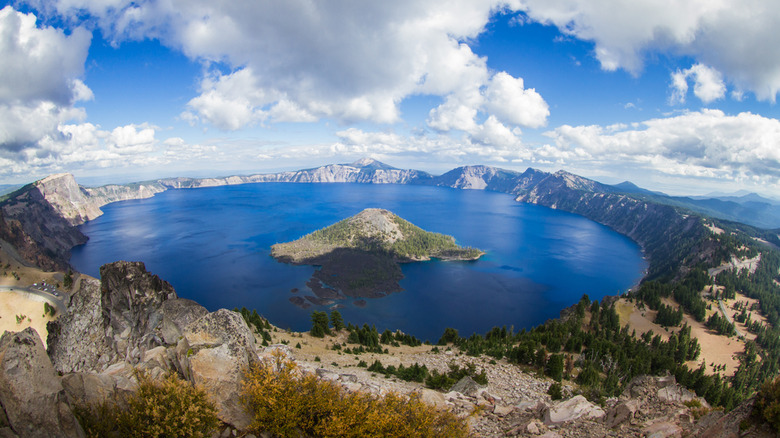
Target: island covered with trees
(359,256)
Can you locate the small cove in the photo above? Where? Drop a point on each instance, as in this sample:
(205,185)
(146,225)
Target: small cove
(213,245)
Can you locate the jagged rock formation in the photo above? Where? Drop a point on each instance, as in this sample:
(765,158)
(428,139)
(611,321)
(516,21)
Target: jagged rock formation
(122,317)
(34,403)
(132,319)
(132,301)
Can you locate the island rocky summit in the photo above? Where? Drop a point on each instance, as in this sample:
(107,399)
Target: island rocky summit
(359,256)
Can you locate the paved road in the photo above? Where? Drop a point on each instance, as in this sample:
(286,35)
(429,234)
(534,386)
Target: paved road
(58,301)
(728,318)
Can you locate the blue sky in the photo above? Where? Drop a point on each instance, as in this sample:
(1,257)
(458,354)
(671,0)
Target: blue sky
(664,94)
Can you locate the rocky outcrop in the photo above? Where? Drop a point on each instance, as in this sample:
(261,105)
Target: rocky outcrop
(33,400)
(77,339)
(132,301)
(215,352)
(121,317)
(132,320)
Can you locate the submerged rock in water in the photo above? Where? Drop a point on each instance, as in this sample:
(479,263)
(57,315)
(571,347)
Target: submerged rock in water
(300,302)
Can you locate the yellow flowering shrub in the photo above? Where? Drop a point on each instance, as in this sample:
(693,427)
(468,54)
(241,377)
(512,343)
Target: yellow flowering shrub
(289,403)
(168,408)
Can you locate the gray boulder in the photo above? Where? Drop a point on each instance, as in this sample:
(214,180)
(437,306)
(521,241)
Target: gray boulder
(622,412)
(467,386)
(572,409)
(77,340)
(31,394)
(178,313)
(675,393)
(214,353)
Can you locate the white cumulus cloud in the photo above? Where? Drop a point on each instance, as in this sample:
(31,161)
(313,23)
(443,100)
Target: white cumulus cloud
(708,84)
(704,143)
(39,79)
(735,37)
(304,61)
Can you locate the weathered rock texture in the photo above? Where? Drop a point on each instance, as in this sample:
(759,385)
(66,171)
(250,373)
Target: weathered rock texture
(177,315)
(132,320)
(121,318)
(132,301)
(215,352)
(77,339)
(33,400)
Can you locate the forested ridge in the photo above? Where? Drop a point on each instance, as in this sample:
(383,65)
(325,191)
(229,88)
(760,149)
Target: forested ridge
(589,346)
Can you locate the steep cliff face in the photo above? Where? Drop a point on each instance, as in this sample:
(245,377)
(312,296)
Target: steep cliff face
(79,204)
(39,232)
(666,234)
(71,201)
(103,195)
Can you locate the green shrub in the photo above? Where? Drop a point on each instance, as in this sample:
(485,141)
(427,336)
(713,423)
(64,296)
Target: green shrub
(555,391)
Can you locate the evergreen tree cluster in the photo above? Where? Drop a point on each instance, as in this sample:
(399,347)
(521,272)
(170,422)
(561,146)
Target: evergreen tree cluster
(607,355)
(669,317)
(720,325)
(261,325)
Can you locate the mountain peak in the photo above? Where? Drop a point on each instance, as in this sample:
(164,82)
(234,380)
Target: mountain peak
(370,163)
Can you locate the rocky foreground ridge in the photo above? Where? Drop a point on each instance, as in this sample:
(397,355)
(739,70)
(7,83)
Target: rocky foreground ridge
(132,320)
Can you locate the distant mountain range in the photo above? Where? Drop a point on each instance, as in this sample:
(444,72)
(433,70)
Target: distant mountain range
(666,227)
(748,208)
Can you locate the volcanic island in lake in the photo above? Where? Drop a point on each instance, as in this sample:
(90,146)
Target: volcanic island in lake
(359,257)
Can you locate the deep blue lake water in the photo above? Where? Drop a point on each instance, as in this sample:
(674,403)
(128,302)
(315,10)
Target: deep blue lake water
(213,246)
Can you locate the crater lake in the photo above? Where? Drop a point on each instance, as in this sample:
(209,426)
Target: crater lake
(213,245)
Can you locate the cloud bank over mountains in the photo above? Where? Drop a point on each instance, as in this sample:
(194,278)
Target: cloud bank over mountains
(355,64)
